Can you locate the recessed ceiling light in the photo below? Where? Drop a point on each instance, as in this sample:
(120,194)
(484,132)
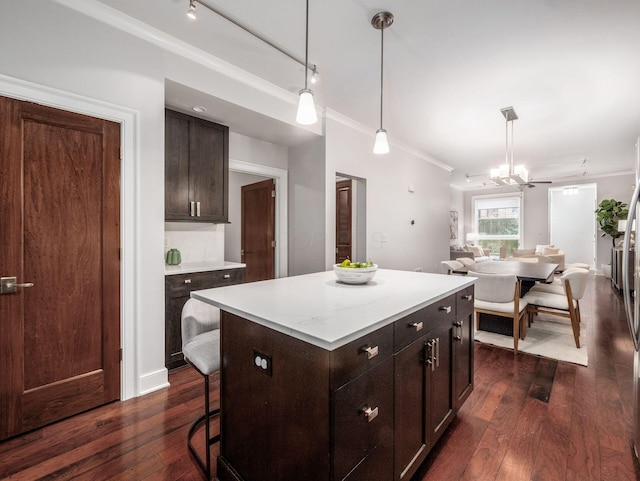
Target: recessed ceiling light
(199,109)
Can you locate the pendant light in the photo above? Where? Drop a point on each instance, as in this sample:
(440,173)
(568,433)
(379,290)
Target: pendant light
(306,108)
(380,21)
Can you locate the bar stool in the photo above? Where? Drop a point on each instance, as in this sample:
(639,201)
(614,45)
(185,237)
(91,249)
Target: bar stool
(200,325)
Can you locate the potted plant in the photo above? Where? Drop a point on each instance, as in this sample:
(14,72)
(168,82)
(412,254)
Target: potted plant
(608,213)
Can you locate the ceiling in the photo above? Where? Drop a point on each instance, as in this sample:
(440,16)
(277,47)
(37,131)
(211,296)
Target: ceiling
(569,68)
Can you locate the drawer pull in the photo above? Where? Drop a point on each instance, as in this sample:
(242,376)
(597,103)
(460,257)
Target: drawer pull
(187,281)
(227,276)
(468,297)
(370,413)
(446,309)
(372,351)
(417,325)
(192,209)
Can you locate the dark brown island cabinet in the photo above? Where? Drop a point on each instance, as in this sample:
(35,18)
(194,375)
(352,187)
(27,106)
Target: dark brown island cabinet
(196,169)
(369,410)
(178,287)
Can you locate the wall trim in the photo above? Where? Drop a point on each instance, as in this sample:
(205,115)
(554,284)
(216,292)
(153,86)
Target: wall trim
(154,381)
(280,177)
(129,121)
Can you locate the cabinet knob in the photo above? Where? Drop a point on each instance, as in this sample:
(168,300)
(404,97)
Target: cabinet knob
(446,309)
(369,413)
(227,276)
(416,325)
(187,281)
(468,297)
(372,351)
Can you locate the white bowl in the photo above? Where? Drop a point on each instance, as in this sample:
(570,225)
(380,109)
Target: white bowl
(355,275)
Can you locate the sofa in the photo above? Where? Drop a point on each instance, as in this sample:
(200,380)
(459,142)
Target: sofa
(541,253)
(476,253)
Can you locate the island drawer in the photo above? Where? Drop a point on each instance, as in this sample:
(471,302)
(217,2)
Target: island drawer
(415,325)
(464,302)
(357,357)
(363,417)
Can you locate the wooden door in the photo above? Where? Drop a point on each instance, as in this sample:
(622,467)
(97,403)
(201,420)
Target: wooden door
(343,220)
(258,230)
(60,230)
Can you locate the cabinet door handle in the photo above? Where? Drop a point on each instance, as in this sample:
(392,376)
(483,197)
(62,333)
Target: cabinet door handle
(446,309)
(458,336)
(468,297)
(416,325)
(372,351)
(437,356)
(431,358)
(369,413)
(227,276)
(197,209)
(192,209)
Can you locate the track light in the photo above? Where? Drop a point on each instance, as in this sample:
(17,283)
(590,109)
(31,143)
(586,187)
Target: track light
(314,75)
(191,13)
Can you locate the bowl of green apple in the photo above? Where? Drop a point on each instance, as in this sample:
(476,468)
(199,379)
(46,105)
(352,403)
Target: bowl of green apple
(355,272)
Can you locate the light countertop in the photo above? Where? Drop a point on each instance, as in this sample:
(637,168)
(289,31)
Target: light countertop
(317,309)
(189,267)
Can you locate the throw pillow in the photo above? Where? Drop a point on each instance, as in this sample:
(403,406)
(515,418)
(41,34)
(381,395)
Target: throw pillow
(547,251)
(540,248)
(477,251)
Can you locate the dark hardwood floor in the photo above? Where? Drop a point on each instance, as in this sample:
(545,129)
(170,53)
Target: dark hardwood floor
(529,418)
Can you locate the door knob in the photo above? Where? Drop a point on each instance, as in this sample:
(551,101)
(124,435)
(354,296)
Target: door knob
(9,285)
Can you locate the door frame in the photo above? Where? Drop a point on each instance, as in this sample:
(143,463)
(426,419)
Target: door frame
(280,177)
(128,119)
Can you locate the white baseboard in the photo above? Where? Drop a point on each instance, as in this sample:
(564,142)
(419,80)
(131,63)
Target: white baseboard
(153,381)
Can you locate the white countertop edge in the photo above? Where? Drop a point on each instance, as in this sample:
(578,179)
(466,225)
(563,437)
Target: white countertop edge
(189,267)
(339,342)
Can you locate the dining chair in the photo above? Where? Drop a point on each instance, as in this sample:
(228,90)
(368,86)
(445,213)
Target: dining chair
(564,304)
(200,326)
(499,295)
(449,266)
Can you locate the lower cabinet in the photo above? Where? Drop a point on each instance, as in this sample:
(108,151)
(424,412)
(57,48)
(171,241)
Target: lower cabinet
(370,410)
(178,288)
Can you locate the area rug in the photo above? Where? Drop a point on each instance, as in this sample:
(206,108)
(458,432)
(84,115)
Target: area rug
(548,336)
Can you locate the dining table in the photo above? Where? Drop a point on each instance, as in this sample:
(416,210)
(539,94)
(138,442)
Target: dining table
(528,273)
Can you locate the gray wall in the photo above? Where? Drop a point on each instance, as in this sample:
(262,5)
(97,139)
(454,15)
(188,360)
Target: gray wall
(536,209)
(307,235)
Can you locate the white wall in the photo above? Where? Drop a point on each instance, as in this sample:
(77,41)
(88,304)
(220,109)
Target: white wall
(392,241)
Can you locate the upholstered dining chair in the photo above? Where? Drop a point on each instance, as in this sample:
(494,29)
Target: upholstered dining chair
(200,325)
(449,266)
(566,303)
(499,295)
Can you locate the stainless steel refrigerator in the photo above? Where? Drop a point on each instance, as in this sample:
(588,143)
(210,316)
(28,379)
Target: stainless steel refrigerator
(630,284)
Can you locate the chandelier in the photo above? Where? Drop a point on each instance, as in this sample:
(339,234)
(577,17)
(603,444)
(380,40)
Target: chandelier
(507,174)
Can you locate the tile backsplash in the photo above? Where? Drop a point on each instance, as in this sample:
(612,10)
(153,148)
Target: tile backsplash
(196,242)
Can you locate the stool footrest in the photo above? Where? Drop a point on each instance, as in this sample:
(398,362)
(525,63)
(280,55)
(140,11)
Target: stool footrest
(214,439)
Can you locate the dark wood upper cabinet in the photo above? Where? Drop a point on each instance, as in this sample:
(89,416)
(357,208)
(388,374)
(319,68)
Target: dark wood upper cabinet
(196,169)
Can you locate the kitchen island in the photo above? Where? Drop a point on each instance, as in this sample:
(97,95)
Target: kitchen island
(328,381)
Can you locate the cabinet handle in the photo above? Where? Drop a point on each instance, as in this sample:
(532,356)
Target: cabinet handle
(431,359)
(446,309)
(468,297)
(187,281)
(372,351)
(227,276)
(417,325)
(192,209)
(458,337)
(369,413)
(197,209)
(437,356)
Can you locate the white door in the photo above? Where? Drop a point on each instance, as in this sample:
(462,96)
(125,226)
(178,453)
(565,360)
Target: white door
(572,224)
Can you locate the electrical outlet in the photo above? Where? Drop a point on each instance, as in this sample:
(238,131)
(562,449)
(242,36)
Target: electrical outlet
(262,362)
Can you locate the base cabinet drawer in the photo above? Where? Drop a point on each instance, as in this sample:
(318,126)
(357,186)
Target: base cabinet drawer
(377,466)
(363,416)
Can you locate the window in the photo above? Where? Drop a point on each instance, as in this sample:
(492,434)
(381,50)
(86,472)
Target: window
(498,221)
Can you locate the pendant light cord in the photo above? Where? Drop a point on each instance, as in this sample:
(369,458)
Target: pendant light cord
(306,47)
(381,70)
